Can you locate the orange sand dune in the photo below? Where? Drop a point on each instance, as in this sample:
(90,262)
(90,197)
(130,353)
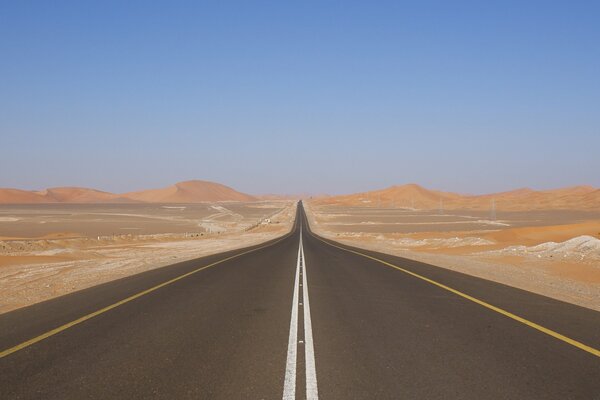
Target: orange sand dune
(190,192)
(17,196)
(58,195)
(415,196)
(81,195)
(182,192)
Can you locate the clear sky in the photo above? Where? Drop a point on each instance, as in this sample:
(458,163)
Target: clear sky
(296,97)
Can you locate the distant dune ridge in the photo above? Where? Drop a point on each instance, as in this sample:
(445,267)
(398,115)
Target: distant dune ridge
(194,191)
(190,192)
(415,196)
(402,196)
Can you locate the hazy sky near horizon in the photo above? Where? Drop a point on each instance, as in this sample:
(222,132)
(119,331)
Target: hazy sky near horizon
(300,97)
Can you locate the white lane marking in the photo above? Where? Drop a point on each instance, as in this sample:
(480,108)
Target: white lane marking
(309,351)
(289,386)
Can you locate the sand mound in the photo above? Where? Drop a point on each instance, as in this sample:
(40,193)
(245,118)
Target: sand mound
(190,192)
(58,195)
(525,199)
(79,195)
(182,192)
(408,196)
(16,196)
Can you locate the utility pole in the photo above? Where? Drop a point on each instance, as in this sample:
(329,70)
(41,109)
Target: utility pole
(441,205)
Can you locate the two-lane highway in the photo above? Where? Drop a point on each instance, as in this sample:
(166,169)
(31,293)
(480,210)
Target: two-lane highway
(300,317)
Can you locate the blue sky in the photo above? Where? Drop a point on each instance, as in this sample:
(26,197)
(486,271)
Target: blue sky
(292,97)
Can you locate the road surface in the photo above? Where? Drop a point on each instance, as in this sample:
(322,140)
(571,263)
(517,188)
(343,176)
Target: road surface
(300,317)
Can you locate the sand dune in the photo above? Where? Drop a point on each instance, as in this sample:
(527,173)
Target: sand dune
(56,195)
(81,195)
(415,196)
(182,192)
(190,192)
(17,196)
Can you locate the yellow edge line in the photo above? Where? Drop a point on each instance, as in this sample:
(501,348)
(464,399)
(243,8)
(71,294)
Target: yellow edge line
(68,325)
(499,310)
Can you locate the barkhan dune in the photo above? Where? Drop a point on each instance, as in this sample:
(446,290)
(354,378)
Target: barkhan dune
(546,242)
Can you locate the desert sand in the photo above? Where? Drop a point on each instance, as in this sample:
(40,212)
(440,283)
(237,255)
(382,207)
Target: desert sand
(51,250)
(183,192)
(189,192)
(417,197)
(555,253)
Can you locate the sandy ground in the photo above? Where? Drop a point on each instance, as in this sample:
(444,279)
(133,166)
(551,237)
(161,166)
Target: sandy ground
(523,199)
(556,254)
(93,220)
(34,269)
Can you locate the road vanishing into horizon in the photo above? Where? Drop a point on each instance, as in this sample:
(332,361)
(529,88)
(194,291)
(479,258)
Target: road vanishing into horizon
(300,318)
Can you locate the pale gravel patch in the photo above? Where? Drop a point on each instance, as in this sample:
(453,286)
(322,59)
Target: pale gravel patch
(578,248)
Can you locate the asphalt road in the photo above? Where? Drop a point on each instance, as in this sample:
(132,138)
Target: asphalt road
(300,319)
